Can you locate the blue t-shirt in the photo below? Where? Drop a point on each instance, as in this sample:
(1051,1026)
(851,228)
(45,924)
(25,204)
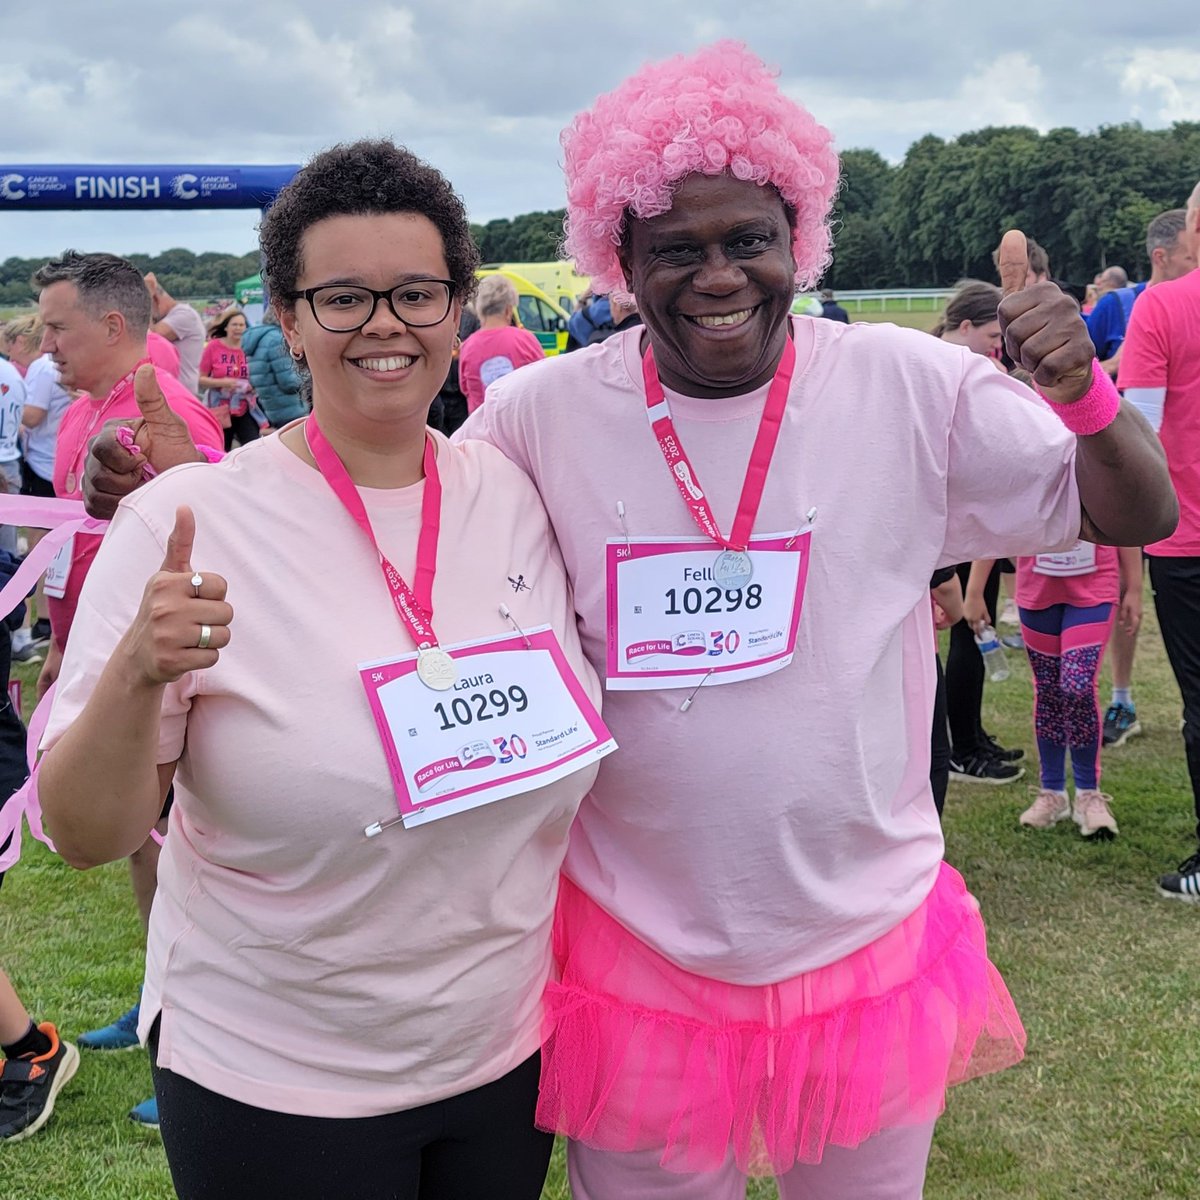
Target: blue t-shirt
(1107,322)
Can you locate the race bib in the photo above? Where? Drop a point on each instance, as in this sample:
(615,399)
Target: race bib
(516,719)
(671,625)
(1079,560)
(59,571)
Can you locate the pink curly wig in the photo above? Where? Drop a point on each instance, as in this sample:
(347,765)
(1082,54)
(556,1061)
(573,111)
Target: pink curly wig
(719,110)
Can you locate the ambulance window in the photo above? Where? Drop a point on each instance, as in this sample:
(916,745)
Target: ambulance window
(529,310)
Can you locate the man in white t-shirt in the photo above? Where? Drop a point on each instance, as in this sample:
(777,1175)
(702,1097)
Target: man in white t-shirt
(182,324)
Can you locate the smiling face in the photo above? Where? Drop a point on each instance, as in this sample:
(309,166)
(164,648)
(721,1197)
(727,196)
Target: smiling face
(385,373)
(714,279)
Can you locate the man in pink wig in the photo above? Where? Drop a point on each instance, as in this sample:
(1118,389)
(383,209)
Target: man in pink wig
(765,965)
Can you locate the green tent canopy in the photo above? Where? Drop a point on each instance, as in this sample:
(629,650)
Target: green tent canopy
(248,290)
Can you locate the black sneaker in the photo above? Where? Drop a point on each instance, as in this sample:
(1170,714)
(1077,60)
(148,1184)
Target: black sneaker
(40,632)
(28,1086)
(1183,884)
(985,768)
(1120,724)
(995,750)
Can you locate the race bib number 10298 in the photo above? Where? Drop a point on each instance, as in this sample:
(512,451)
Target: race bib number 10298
(670,624)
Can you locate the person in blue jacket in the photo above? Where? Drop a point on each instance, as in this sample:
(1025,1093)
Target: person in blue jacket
(272,373)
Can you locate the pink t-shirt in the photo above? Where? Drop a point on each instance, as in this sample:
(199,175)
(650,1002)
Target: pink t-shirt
(1040,586)
(490,354)
(162,353)
(783,822)
(298,965)
(1162,349)
(80,423)
(220,361)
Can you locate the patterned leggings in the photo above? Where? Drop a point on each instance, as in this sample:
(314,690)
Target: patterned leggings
(1066,646)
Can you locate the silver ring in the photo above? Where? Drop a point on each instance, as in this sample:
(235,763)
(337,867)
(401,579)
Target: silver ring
(197,581)
(205,637)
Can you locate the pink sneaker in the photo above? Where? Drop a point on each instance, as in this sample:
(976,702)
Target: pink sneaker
(1093,816)
(1047,810)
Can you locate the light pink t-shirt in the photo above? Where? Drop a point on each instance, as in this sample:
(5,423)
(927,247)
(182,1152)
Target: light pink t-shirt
(1162,350)
(1036,589)
(80,423)
(784,822)
(490,354)
(298,965)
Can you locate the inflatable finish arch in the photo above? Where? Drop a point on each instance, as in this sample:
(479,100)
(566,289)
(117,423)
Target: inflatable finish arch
(44,187)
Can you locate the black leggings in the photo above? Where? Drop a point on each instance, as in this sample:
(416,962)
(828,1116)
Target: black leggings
(244,428)
(939,746)
(1176,584)
(478,1146)
(964,674)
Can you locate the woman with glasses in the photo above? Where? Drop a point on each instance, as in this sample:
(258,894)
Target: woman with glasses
(338,1004)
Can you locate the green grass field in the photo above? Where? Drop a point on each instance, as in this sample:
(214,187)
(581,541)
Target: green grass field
(1104,973)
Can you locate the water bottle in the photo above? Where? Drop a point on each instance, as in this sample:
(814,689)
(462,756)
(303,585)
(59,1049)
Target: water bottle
(994,661)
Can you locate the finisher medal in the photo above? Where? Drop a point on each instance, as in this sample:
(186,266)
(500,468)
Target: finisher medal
(436,668)
(732,570)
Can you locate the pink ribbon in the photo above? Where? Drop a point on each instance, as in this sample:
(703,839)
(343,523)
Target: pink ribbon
(64,519)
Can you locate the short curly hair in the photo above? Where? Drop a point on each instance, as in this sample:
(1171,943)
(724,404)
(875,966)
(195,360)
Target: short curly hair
(716,111)
(357,179)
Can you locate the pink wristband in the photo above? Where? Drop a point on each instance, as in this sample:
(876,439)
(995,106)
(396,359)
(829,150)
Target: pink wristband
(1095,410)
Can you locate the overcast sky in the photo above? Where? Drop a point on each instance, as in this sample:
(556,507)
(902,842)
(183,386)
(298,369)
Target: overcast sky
(481,89)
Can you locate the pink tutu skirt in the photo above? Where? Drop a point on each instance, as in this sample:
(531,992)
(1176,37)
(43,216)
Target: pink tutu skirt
(642,1055)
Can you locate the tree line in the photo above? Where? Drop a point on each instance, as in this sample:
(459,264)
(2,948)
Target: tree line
(927,221)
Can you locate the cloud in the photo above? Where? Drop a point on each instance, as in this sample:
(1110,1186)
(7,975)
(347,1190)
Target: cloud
(482,88)
(1169,80)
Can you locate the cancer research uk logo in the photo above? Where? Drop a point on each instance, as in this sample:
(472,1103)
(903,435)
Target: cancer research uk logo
(182,187)
(9,189)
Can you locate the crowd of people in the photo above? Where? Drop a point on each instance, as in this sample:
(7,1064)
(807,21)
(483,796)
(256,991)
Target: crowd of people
(640,908)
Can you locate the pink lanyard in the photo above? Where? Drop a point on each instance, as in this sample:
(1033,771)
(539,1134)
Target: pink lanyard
(414,605)
(117,392)
(659,413)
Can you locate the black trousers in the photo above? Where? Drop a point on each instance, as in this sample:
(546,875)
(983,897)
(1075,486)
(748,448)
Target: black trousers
(13,769)
(939,745)
(1176,584)
(965,674)
(481,1145)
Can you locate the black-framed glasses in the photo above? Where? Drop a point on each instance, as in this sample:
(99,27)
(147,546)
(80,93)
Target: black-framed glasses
(346,308)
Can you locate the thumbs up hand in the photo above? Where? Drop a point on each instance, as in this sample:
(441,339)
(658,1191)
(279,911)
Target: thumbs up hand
(161,439)
(184,620)
(1043,331)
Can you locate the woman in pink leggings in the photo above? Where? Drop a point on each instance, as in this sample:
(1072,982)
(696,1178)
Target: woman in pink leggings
(1068,603)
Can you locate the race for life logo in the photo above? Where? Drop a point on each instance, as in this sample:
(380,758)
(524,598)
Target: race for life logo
(182,187)
(9,189)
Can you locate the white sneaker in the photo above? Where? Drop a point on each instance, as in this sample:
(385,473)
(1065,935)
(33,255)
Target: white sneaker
(1093,816)
(1009,614)
(1047,810)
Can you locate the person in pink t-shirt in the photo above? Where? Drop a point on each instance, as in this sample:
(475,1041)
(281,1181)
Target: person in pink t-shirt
(336,1006)
(162,354)
(1068,604)
(225,380)
(498,347)
(95,313)
(763,964)
(1160,373)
